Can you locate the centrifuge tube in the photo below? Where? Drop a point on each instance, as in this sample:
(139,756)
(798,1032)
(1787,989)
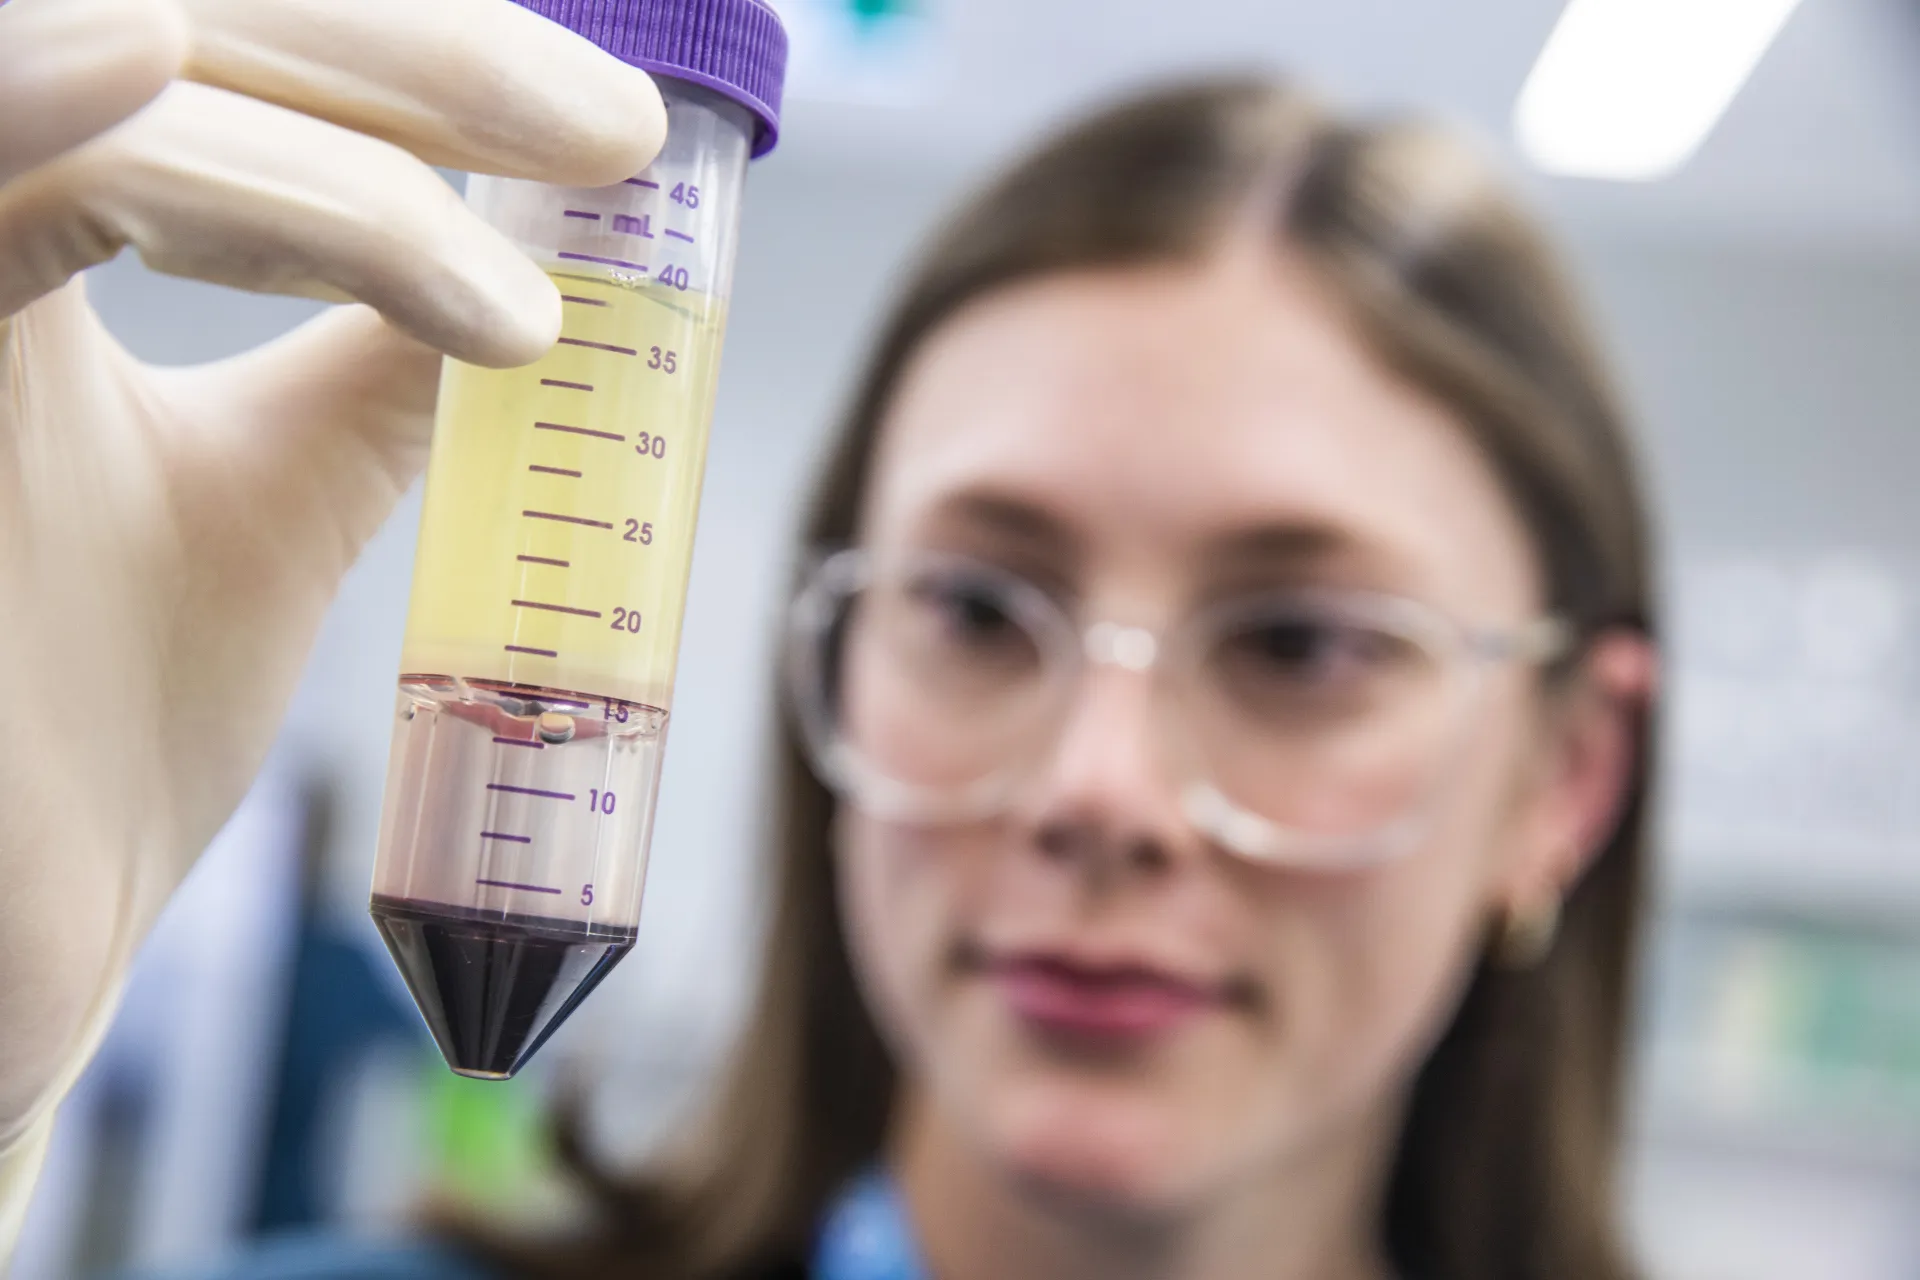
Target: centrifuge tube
(537,672)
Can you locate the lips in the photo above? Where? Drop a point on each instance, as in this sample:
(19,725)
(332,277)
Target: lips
(1119,1003)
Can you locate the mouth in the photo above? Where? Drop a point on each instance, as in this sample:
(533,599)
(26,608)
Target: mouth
(1117,1003)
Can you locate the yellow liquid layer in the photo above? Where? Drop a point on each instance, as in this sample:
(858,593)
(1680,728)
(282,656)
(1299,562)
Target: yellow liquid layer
(561,498)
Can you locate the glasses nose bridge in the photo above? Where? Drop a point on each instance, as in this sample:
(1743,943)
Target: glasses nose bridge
(1124,646)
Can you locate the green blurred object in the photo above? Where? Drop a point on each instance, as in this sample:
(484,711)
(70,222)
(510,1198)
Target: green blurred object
(487,1141)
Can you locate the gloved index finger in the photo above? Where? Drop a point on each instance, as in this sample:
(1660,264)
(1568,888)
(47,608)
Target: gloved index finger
(484,85)
(69,69)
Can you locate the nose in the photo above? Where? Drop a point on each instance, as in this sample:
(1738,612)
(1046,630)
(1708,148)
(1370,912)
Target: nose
(1103,800)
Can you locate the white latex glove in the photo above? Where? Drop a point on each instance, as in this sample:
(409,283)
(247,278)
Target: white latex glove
(169,538)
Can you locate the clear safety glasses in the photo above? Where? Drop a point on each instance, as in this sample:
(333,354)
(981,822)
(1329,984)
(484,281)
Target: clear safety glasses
(1310,727)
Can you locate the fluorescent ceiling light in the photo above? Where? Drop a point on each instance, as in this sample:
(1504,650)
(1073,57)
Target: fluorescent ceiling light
(1628,89)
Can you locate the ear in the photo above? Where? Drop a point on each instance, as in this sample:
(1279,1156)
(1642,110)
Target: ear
(1592,751)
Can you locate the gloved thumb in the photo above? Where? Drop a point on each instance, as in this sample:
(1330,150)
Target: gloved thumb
(318,433)
(71,69)
(282,463)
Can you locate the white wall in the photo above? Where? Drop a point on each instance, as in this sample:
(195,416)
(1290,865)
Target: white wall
(1781,402)
(1781,392)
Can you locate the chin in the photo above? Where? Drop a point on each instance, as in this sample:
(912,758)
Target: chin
(1102,1144)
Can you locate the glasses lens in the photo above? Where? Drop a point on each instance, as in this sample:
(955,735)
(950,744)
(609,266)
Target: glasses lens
(939,674)
(1327,715)
(1314,719)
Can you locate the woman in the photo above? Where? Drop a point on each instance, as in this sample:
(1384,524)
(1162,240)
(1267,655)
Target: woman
(1233,716)
(1212,816)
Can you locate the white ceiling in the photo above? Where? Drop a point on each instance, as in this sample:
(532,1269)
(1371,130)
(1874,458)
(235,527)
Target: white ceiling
(1823,145)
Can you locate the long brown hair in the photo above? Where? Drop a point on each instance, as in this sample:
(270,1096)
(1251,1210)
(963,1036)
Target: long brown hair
(1505,1169)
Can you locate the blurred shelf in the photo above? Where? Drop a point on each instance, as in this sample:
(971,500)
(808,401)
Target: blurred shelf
(1875,898)
(1751,1138)
(1862,1121)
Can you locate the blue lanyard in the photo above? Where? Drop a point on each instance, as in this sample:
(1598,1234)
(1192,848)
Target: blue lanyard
(866,1235)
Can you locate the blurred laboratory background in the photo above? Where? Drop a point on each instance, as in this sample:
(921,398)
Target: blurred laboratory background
(1738,182)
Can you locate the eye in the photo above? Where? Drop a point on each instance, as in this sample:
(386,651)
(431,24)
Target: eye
(1303,655)
(965,621)
(968,609)
(1313,649)
(964,611)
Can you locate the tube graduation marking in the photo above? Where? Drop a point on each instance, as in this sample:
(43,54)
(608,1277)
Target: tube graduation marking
(556,608)
(606,262)
(508,884)
(548,515)
(531,791)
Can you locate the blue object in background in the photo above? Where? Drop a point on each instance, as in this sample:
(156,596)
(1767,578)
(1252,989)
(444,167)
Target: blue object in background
(338,1010)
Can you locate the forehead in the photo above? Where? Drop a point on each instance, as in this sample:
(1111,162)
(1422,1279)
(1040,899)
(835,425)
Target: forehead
(1157,414)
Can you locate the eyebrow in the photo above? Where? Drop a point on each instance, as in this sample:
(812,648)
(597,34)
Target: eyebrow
(1014,517)
(1309,546)
(1289,543)
(1287,540)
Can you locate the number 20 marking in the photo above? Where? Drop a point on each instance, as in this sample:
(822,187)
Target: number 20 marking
(626,620)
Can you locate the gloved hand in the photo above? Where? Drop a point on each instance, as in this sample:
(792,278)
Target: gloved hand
(169,538)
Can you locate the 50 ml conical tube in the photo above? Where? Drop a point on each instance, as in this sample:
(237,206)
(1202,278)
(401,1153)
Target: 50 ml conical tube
(538,667)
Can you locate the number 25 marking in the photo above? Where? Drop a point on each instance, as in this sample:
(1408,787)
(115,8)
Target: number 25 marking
(640,532)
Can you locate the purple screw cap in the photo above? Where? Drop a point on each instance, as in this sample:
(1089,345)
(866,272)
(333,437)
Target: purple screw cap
(734,47)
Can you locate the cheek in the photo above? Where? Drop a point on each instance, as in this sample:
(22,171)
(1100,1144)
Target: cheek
(1389,956)
(903,895)
(1374,965)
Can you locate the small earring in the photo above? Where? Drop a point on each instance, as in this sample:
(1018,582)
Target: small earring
(1527,934)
